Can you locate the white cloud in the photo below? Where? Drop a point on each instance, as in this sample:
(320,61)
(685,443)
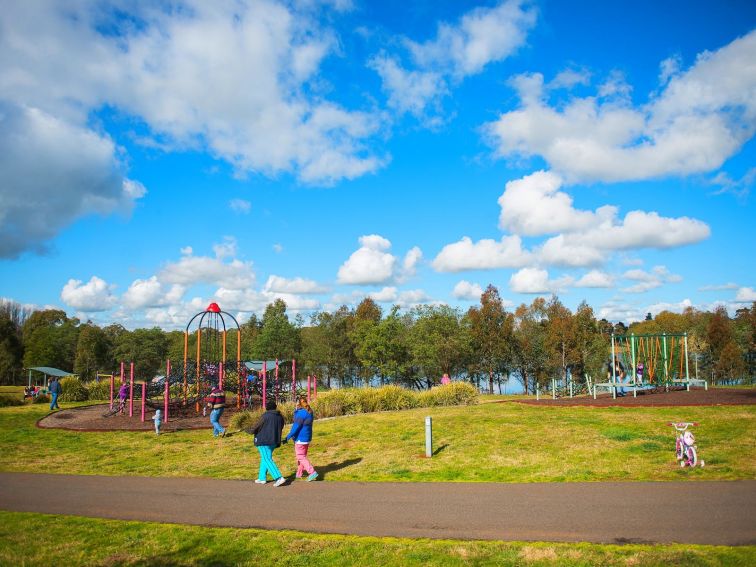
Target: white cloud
(192,270)
(53,173)
(740,188)
(595,278)
(373,264)
(225,249)
(277,284)
(240,206)
(407,298)
(718,287)
(481,36)
(649,280)
(277,248)
(745,295)
(95,295)
(151,293)
(485,254)
(187,251)
(698,120)
(385,295)
(569,78)
(536,280)
(467,290)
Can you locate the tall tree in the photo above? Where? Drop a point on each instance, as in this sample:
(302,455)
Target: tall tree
(439,342)
(560,337)
(11,350)
(530,333)
(92,351)
(146,348)
(50,339)
(719,332)
(278,338)
(384,348)
(492,335)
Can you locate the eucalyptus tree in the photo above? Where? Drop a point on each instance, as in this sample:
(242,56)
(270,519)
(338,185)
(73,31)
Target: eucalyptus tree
(383,348)
(11,350)
(146,348)
(491,329)
(50,339)
(530,333)
(92,351)
(366,318)
(439,341)
(278,337)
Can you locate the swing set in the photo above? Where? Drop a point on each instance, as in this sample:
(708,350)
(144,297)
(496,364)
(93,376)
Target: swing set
(649,361)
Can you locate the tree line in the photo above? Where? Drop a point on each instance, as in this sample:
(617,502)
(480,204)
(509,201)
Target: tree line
(486,345)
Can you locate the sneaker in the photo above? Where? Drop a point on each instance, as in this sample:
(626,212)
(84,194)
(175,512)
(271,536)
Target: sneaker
(312,477)
(280,481)
(258,481)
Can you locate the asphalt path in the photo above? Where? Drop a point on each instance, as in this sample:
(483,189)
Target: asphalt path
(717,513)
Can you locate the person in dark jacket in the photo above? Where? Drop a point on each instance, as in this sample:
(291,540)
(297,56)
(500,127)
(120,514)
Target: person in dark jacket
(267,433)
(55,391)
(301,432)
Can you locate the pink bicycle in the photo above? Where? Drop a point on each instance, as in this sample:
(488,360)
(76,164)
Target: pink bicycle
(685,445)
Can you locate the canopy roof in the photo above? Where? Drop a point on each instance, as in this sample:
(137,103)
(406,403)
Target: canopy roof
(50,371)
(257,365)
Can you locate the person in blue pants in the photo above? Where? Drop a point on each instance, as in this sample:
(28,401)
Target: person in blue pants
(216,401)
(55,390)
(267,433)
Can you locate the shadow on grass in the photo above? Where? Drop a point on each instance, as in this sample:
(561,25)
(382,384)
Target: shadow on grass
(332,467)
(440,448)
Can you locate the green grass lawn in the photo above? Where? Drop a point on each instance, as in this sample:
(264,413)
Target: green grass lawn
(37,539)
(496,442)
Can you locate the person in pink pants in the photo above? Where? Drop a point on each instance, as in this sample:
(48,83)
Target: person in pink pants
(301,433)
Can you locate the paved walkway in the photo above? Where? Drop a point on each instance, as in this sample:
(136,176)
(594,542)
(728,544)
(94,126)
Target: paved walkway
(720,513)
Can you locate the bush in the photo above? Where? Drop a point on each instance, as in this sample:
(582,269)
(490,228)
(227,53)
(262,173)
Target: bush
(41,399)
(247,418)
(337,402)
(7,400)
(99,390)
(454,394)
(73,390)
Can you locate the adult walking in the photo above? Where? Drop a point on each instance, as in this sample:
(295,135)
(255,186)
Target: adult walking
(216,401)
(267,433)
(55,390)
(301,432)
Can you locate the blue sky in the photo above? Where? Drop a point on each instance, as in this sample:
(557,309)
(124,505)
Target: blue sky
(158,156)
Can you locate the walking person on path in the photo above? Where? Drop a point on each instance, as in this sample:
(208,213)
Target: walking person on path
(55,390)
(301,432)
(216,401)
(267,433)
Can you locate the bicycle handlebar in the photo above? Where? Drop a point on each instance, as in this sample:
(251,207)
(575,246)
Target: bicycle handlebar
(683,425)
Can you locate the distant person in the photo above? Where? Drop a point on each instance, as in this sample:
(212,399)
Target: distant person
(216,402)
(55,391)
(251,379)
(301,432)
(639,373)
(123,394)
(445,379)
(158,419)
(267,433)
(617,374)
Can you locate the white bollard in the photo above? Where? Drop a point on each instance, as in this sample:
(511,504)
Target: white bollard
(428,437)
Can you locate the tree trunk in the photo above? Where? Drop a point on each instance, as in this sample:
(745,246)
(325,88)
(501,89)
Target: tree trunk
(490,382)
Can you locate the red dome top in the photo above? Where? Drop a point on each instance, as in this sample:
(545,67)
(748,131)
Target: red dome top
(213,308)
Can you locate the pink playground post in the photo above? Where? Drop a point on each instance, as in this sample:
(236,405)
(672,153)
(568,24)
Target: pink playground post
(276,390)
(293,380)
(167,390)
(112,379)
(131,391)
(314,386)
(265,384)
(122,376)
(144,395)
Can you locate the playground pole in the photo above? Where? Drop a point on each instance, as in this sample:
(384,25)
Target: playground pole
(144,394)
(315,386)
(666,371)
(293,380)
(308,388)
(220,376)
(167,389)
(276,390)
(199,379)
(131,390)
(112,378)
(186,350)
(687,375)
(122,377)
(635,375)
(265,383)
(614,376)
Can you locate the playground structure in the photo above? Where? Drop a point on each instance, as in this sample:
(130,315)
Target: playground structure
(206,364)
(649,361)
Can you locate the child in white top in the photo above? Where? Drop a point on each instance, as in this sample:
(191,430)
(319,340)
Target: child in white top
(158,418)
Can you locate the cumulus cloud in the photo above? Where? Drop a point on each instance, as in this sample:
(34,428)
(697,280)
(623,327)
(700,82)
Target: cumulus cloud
(658,276)
(151,293)
(745,295)
(240,206)
(595,278)
(536,280)
(192,270)
(467,290)
(406,298)
(480,37)
(277,284)
(486,254)
(51,174)
(699,118)
(719,287)
(372,263)
(95,295)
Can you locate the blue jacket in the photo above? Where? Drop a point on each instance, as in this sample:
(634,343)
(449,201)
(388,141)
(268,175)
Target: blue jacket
(268,429)
(301,429)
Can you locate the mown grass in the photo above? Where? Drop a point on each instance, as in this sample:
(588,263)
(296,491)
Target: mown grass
(37,539)
(504,442)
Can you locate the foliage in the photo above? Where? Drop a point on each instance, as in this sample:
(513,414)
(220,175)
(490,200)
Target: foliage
(73,390)
(491,328)
(146,348)
(50,339)
(11,349)
(7,400)
(245,420)
(92,351)
(454,394)
(99,390)
(41,399)
(278,338)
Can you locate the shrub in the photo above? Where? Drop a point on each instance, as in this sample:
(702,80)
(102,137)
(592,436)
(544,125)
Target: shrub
(99,390)
(247,418)
(10,400)
(73,390)
(454,394)
(41,399)
(396,398)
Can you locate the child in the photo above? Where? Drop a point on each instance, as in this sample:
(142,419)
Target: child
(158,419)
(267,433)
(123,394)
(301,432)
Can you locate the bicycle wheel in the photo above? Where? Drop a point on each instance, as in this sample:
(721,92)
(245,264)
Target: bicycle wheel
(679,449)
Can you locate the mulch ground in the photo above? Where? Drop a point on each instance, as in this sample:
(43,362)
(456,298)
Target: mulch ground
(92,418)
(658,398)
